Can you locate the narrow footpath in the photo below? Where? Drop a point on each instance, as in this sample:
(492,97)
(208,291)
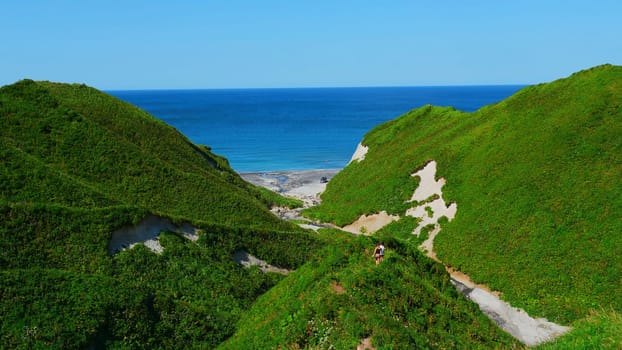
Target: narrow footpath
(308,187)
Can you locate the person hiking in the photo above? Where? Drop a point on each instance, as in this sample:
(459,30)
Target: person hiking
(379,253)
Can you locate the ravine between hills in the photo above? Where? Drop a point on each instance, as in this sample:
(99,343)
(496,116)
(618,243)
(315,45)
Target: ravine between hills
(308,185)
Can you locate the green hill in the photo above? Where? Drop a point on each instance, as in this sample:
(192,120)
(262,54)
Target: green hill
(536,179)
(340,298)
(103,150)
(77,165)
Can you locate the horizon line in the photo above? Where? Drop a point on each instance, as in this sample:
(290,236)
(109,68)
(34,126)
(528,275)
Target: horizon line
(321,87)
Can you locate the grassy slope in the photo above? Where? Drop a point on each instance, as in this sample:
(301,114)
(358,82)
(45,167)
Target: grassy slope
(340,297)
(61,289)
(78,164)
(536,180)
(547,213)
(113,150)
(193,294)
(383,181)
(599,330)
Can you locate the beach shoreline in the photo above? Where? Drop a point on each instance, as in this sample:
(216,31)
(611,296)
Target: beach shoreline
(306,185)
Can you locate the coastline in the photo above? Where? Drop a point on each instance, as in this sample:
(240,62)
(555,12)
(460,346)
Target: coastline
(302,184)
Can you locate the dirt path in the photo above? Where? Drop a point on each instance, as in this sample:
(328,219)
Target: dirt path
(428,207)
(517,322)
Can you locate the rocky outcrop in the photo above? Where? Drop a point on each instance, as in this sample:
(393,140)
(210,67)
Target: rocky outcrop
(247,260)
(147,232)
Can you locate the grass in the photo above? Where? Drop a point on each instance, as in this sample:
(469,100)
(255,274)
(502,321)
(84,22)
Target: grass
(535,178)
(599,330)
(536,181)
(341,297)
(78,164)
(91,149)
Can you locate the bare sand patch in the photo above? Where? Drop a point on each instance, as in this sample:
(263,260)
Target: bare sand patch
(430,212)
(515,321)
(368,224)
(359,153)
(429,207)
(337,288)
(530,331)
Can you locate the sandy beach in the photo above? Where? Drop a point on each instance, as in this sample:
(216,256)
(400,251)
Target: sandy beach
(303,184)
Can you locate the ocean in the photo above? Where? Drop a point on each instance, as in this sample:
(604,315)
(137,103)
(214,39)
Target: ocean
(296,129)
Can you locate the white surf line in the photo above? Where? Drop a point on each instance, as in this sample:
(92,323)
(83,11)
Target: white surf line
(515,321)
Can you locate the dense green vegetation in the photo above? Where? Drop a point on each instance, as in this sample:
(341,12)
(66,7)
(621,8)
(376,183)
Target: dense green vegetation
(599,330)
(536,179)
(76,146)
(77,165)
(341,297)
(61,288)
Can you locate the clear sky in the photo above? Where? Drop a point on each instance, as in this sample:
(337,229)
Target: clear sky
(154,44)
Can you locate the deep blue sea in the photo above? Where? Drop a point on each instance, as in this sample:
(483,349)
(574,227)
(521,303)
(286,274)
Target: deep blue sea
(296,129)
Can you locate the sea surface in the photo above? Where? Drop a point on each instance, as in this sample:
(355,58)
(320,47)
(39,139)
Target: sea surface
(296,129)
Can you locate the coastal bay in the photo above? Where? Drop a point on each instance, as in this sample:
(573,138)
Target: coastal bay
(316,128)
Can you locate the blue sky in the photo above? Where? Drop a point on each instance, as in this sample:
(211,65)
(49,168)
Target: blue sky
(138,44)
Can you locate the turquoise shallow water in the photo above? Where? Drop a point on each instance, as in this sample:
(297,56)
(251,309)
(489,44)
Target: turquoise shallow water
(296,129)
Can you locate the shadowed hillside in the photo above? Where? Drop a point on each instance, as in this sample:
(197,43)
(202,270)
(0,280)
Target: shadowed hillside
(78,165)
